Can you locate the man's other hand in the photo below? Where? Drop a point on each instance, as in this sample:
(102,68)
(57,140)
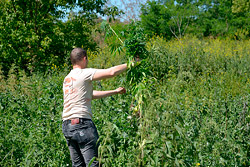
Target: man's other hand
(121,90)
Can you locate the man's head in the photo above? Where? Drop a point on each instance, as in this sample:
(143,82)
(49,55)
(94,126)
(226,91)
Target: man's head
(78,56)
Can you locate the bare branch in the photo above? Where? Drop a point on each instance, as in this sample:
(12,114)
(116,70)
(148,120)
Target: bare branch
(186,26)
(173,32)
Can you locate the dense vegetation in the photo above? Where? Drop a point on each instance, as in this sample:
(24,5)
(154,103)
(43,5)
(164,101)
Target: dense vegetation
(201,18)
(187,100)
(36,34)
(194,110)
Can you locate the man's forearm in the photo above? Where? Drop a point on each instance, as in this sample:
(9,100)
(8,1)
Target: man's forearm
(116,70)
(101,94)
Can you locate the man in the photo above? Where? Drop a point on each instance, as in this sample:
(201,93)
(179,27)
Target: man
(78,128)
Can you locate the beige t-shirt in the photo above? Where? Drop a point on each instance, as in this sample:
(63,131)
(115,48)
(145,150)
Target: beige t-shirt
(77,94)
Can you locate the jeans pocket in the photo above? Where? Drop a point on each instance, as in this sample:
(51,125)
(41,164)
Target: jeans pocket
(83,135)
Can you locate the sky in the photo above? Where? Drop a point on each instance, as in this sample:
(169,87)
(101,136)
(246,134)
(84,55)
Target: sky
(131,8)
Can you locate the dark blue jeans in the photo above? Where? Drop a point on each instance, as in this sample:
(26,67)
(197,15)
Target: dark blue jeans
(82,142)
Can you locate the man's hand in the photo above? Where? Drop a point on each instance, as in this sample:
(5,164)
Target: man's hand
(135,61)
(120,90)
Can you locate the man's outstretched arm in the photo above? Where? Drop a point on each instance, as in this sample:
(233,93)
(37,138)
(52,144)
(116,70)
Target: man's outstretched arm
(110,72)
(101,94)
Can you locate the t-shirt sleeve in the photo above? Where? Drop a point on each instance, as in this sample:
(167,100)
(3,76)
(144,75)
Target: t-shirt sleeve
(90,73)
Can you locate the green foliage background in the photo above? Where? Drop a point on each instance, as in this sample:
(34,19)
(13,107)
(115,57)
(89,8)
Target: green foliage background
(187,101)
(203,18)
(194,111)
(38,34)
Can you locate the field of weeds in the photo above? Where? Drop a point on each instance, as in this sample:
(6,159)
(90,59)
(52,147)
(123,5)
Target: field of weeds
(190,109)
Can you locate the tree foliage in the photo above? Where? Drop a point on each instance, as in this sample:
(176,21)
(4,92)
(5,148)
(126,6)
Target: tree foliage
(202,18)
(35,34)
(240,6)
(155,18)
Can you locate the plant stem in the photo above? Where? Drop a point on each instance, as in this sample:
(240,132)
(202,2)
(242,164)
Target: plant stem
(115,34)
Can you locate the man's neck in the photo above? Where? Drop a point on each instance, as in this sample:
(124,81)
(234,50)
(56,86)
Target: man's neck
(78,66)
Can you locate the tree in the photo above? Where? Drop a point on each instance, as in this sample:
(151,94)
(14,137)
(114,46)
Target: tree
(202,18)
(241,10)
(155,18)
(240,6)
(34,37)
(222,17)
(167,17)
(183,13)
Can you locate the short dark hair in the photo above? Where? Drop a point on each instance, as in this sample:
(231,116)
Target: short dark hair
(77,55)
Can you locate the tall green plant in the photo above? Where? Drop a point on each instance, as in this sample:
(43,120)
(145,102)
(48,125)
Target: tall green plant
(137,75)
